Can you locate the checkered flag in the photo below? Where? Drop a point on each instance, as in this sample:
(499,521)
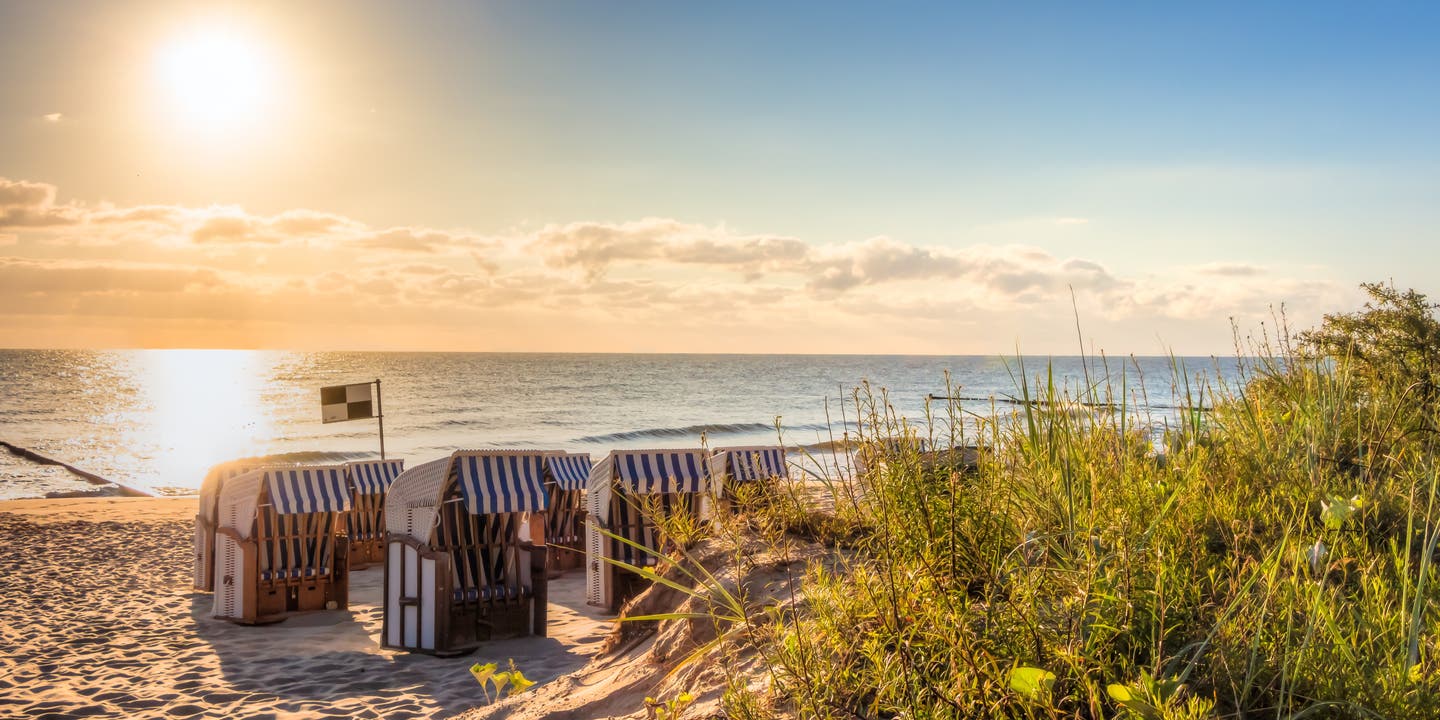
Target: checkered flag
(339,403)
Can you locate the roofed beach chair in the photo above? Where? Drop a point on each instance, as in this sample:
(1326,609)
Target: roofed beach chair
(749,463)
(365,524)
(626,490)
(205,519)
(733,466)
(565,477)
(277,545)
(458,568)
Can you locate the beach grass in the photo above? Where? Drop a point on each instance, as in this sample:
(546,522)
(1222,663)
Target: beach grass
(1272,554)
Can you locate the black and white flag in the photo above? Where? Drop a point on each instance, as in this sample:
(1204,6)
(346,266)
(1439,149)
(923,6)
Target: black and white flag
(339,403)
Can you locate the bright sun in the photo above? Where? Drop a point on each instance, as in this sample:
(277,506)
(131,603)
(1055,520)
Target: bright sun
(217,81)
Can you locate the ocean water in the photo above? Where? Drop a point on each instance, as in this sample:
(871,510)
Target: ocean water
(158,419)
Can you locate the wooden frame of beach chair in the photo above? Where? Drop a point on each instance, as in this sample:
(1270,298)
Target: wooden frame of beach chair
(278,549)
(207,516)
(745,464)
(566,475)
(624,489)
(458,568)
(365,523)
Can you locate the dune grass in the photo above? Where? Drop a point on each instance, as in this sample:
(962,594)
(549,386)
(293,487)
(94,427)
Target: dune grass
(1271,556)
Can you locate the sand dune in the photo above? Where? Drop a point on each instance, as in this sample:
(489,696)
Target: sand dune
(97,619)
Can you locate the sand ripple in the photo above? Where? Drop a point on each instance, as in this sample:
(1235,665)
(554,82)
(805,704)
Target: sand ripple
(97,619)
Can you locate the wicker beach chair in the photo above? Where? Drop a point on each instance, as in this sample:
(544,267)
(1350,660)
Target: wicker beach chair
(277,547)
(626,490)
(565,477)
(749,463)
(205,518)
(365,524)
(460,568)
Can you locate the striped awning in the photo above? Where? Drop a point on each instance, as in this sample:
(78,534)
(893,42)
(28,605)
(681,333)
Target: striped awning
(502,482)
(373,477)
(570,471)
(660,471)
(303,490)
(747,464)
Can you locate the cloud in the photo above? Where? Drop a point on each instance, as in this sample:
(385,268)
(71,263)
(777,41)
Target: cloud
(231,229)
(409,239)
(594,246)
(1231,269)
(1071,221)
(303,272)
(163,214)
(32,204)
(53,117)
(22,276)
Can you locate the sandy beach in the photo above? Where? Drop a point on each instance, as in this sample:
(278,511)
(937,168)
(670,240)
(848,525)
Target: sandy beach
(98,619)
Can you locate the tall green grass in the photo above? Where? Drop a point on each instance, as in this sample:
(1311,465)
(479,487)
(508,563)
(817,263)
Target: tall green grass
(1273,557)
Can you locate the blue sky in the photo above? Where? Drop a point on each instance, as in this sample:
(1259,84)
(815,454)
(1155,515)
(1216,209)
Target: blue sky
(1288,144)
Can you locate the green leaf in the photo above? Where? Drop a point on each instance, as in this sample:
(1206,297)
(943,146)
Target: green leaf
(519,683)
(1335,512)
(1031,682)
(500,680)
(1119,693)
(482,672)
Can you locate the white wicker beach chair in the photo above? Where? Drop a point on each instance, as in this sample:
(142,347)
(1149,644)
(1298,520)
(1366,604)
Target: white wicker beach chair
(457,570)
(277,548)
(365,524)
(675,481)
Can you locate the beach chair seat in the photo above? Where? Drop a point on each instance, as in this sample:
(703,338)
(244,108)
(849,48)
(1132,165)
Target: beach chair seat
(628,491)
(458,570)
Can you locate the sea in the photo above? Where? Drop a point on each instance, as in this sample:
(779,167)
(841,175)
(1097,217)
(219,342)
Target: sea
(157,420)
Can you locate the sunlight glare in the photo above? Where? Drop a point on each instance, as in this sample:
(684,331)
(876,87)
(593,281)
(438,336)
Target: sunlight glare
(218,81)
(201,407)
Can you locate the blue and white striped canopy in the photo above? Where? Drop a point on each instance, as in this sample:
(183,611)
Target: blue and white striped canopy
(373,477)
(747,464)
(571,471)
(660,471)
(303,490)
(501,482)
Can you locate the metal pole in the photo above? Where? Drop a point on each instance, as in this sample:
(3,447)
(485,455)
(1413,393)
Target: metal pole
(380,417)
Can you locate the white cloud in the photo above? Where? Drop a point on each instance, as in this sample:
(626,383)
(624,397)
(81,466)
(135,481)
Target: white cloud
(303,272)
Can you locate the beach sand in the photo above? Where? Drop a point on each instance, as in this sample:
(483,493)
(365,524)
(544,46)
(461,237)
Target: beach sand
(97,619)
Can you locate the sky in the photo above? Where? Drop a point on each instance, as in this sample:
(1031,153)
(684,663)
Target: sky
(685,177)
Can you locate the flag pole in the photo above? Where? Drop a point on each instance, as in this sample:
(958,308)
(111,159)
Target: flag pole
(380,417)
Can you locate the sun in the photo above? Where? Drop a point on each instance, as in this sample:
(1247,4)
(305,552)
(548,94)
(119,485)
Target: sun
(216,80)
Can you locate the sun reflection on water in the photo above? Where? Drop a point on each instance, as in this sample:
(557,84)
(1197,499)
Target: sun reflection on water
(195,408)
